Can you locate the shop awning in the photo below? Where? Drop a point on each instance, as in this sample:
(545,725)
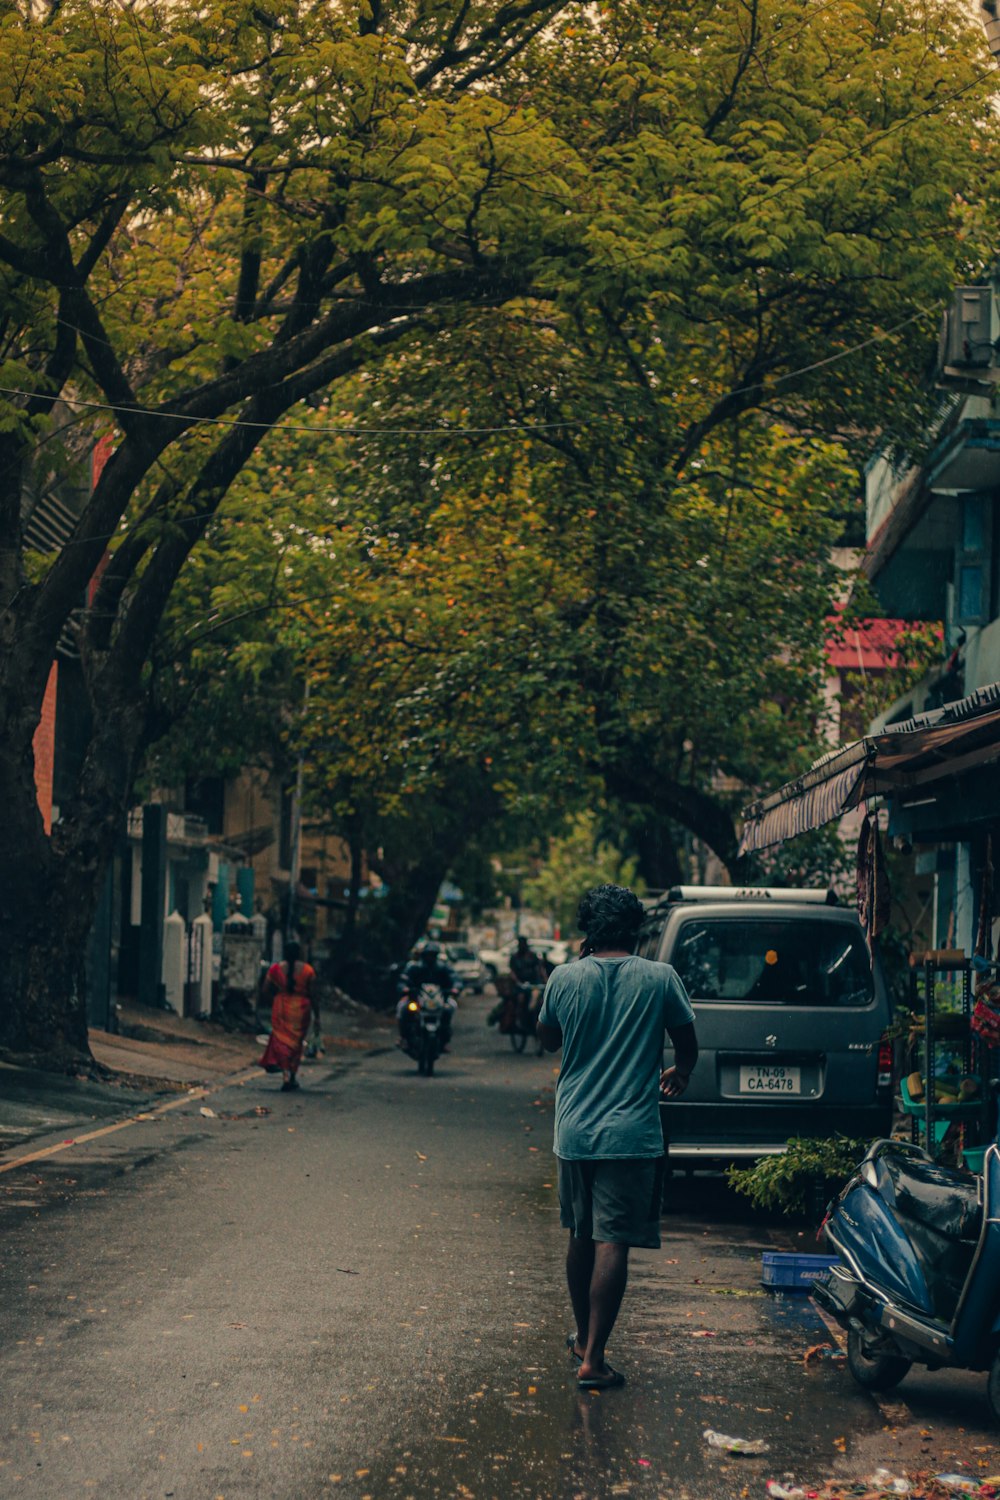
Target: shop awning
(901,760)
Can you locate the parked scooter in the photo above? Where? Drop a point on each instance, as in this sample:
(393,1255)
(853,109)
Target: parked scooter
(920,1276)
(422,1018)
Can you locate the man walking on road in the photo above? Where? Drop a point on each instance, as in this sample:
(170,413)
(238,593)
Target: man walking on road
(609,1012)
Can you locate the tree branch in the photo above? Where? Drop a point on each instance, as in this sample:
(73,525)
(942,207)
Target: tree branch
(145,609)
(725,104)
(507,19)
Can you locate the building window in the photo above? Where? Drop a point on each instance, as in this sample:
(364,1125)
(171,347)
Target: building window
(972,601)
(205,797)
(970,592)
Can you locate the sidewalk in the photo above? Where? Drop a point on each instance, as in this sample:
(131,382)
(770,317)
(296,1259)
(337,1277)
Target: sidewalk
(156,1053)
(159,1048)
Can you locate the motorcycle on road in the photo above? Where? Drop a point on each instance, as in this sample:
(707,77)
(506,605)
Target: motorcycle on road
(919,1279)
(423,1017)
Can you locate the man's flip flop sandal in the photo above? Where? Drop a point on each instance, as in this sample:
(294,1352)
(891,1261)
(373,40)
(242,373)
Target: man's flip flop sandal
(571,1346)
(609,1381)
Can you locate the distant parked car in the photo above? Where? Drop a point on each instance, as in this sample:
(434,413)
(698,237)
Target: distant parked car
(468,967)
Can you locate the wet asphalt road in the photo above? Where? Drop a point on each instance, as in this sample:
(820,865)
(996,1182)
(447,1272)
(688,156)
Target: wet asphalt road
(360,1293)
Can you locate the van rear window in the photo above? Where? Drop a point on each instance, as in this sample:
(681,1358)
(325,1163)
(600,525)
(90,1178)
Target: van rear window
(773,962)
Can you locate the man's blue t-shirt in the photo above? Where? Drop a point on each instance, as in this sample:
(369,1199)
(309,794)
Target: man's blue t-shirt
(612,1013)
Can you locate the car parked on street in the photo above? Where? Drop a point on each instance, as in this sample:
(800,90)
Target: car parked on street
(467,967)
(791,1019)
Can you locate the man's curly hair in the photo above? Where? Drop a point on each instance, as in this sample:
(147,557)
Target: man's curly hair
(610,917)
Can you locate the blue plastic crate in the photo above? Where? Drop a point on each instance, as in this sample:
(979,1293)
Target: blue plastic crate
(794,1273)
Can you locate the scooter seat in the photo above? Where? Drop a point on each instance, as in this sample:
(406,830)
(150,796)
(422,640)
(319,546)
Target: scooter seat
(941,1198)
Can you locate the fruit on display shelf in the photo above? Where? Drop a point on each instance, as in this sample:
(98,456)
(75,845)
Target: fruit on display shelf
(944,1093)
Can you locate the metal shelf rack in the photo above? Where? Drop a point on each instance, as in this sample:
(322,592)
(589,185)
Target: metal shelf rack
(952,1027)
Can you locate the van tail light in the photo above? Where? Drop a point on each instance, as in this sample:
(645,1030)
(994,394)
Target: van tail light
(885,1064)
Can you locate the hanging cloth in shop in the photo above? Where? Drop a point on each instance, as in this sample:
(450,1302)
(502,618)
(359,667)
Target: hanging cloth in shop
(985,1020)
(874,895)
(984,936)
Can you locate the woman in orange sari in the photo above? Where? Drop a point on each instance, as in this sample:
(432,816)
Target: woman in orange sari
(289,985)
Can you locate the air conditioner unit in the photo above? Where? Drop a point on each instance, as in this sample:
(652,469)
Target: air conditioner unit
(969,330)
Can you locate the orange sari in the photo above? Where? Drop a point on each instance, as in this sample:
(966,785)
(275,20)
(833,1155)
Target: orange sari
(289,1017)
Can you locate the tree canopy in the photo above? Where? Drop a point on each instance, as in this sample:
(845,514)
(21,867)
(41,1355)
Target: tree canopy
(648,244)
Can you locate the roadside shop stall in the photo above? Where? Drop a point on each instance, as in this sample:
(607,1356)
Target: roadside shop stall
(935,776)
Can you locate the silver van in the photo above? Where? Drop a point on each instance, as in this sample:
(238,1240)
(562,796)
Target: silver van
(790,1019)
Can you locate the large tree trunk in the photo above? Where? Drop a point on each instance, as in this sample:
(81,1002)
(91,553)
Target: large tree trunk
(50,885)
(41,995)
(656,846)
(369,969)
(700,812)
(44,927)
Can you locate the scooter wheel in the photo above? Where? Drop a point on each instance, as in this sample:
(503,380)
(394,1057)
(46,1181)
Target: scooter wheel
(877,1371)
(993,1387)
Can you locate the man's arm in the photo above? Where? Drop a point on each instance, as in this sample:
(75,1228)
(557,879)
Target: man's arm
(549,1036)
(674,1080)
(548,1031)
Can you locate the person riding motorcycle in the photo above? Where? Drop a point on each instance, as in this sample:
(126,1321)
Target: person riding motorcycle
(428,968)
(530,972)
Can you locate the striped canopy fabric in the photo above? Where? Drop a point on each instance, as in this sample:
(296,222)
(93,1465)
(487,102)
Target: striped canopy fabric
(901,760)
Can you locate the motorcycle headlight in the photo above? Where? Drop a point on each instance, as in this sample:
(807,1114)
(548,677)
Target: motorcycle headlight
(413,1005)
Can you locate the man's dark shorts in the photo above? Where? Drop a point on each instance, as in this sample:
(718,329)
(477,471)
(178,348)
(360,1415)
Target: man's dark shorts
(617,1201)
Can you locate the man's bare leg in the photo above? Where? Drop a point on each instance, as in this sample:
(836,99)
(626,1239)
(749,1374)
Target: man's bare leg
(579,1271)
(607,1288)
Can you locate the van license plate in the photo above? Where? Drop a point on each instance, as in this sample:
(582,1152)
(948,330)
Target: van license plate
(768,1078)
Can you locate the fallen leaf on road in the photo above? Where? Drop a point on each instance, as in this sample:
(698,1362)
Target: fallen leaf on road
(420,1156)
(261,1109)
(208,1113)
(703,1333)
